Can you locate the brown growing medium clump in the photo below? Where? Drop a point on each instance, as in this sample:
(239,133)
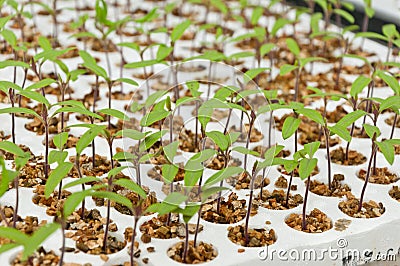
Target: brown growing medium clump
(257,237)
(338,188)
(338,156)
(231,211)
(203,252)
(157,227)
(317,222)
(395,193)
(276,200)
(242,181)
(370,209)
(381,176)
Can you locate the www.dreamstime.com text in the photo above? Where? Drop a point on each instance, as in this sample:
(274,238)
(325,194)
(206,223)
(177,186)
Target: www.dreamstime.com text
(341,252)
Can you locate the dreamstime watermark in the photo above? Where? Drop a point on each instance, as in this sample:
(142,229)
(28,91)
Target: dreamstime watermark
(341,252)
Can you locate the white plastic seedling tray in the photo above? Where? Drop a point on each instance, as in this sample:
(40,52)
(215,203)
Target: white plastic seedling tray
(378,235)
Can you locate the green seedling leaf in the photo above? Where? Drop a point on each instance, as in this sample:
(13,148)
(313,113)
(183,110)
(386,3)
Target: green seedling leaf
(140,64)
(372,131)
(387,149)
(151,139)
(90,63)
(311,148)
(12,63)
(115,171)
(178,31)
(60,140)
(37,238)
(36,96)
(163,52)
(80,181)
(389,30)
(127,81)
(222,175)
(189,211)
(114,113)
(10,37)
(243,150)
(341,132)
(12,148)
(266,48)
(286,68)
(6,177)
(257,13)
(279,23)
(312,114)
(207,193)
(131,133)
(87,138)
(40,84)
(371,35)
(169,171)
(170,204)
(391,81)
(358,86)
(132,186)
(293,46)
(219,138)
(170,150)
(124,156)
(113,197)
(344,14)
(56,176)
(252,73)
(306,167)
(393,102)
(305,61)
(350,118)
(13,234)
(73,200)
(83,111)
(290,126)
(57,156)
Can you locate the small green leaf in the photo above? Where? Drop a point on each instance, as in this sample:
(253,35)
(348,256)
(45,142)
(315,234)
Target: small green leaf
(169,171)
(87,138)
(290,126)
(12,148)
(178,31)
(344,14)
(286,68)
(57,156)
(293,46)
(37,238)
(40,84)
(56,176)
(306,167)
(312,114)
(114,113)
(189,211)
(222,175)
(127,81)
(12,63)
(219,138)
(358,86)
(243,150)
(170,150)
(132,186)
(372,131)
(80,181)
(387,149)
(60,140)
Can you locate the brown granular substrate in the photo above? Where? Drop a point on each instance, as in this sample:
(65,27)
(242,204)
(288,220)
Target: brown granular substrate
(257,237)
(382,176)
(231,210)
(203,252)
(277,200)
(317,222)
(395,193)
(370,209)
(338,156)
(338,189)
(242,181)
